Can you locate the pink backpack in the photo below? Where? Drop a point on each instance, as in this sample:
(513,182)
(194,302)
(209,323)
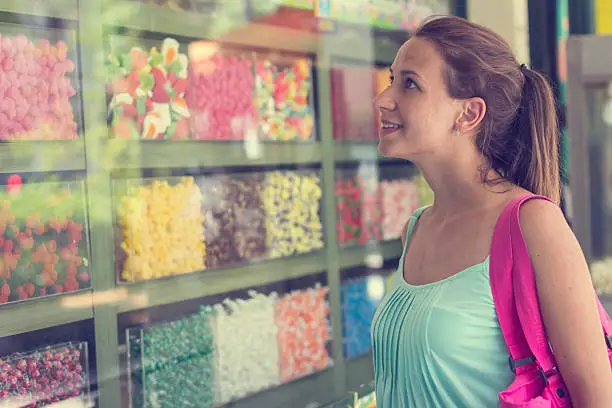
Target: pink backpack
(538,383)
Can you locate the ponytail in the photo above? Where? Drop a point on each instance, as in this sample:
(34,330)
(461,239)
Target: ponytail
(536,164)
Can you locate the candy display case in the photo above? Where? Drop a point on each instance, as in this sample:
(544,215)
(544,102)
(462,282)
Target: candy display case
(172,226)
(46,377)
(209,364)
(44,239)
(38,84)
(361,292)
(354,118)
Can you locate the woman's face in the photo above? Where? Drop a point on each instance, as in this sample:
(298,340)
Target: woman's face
(418,116)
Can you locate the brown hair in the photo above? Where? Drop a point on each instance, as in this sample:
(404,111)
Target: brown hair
(519,133)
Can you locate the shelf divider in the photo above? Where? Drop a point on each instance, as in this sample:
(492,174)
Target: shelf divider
(63,9)
(136,155)
(44,312)
(145,294)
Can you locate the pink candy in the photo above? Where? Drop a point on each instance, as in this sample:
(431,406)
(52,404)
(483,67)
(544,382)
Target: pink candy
(35,91)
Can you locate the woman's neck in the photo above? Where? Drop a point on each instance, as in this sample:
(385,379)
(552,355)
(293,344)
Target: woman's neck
(459,187)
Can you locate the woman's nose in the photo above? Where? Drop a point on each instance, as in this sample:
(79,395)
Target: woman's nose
(383,101)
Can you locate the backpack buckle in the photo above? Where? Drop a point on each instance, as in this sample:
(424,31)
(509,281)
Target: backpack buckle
(547,374)
(520,362)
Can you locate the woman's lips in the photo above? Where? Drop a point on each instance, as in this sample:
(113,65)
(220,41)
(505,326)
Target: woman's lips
(388,128)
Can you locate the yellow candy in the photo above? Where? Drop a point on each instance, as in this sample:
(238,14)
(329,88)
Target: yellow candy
(162,230)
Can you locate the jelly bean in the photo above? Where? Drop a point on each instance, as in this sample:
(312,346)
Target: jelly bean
(282,98)
(399,200)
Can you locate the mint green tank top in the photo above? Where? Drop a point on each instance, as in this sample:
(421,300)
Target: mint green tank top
(439,344)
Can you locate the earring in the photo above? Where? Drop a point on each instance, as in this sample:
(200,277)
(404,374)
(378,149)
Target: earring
(457,132)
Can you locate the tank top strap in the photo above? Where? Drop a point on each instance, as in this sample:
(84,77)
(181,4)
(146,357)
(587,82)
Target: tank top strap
(411,224)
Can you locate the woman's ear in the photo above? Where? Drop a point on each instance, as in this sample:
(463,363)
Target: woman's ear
(473,113)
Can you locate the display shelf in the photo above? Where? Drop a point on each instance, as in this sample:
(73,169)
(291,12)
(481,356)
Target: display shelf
(371,254)
(135,155)
(143,17)
(313,390)
(192,286)
(40,313)
(64,9)
(359,371)
(48,156)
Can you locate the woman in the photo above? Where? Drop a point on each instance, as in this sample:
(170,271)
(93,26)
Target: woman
(483,131)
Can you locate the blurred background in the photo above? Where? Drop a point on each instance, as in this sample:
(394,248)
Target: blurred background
(193,211)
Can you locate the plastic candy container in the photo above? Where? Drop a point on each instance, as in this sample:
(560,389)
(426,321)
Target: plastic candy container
(283,100)
(43,241)
(367,401)
(293,224)
(35,90)
(400,198)
(234,218)
(359,300)
(221,94)
(162,230)
(246,346)
(303,332)
(230,350)
(352,109)
(147,92)
(172,364)
(359,209)
(46,376)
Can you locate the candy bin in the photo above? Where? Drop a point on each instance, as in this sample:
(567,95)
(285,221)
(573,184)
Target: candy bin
(247,349)
(234,222)
(358,205)
(371,210)
(221,93)
(148,91)
(172,364)
(348,209)
(46,376)
(161,228)
(400,198)
(293,223)
(352,109)
(43,234)
(302,317)
(219,220)
(284,98)
(360,297)
(36,89)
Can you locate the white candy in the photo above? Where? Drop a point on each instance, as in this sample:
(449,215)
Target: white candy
(246,343)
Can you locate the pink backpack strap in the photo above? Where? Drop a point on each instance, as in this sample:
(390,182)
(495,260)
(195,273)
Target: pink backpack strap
(522,281)
(500,271)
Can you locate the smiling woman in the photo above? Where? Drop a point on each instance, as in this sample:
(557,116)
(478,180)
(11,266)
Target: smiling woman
(482,129)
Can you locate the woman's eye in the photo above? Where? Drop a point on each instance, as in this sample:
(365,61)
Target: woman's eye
(409,84)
